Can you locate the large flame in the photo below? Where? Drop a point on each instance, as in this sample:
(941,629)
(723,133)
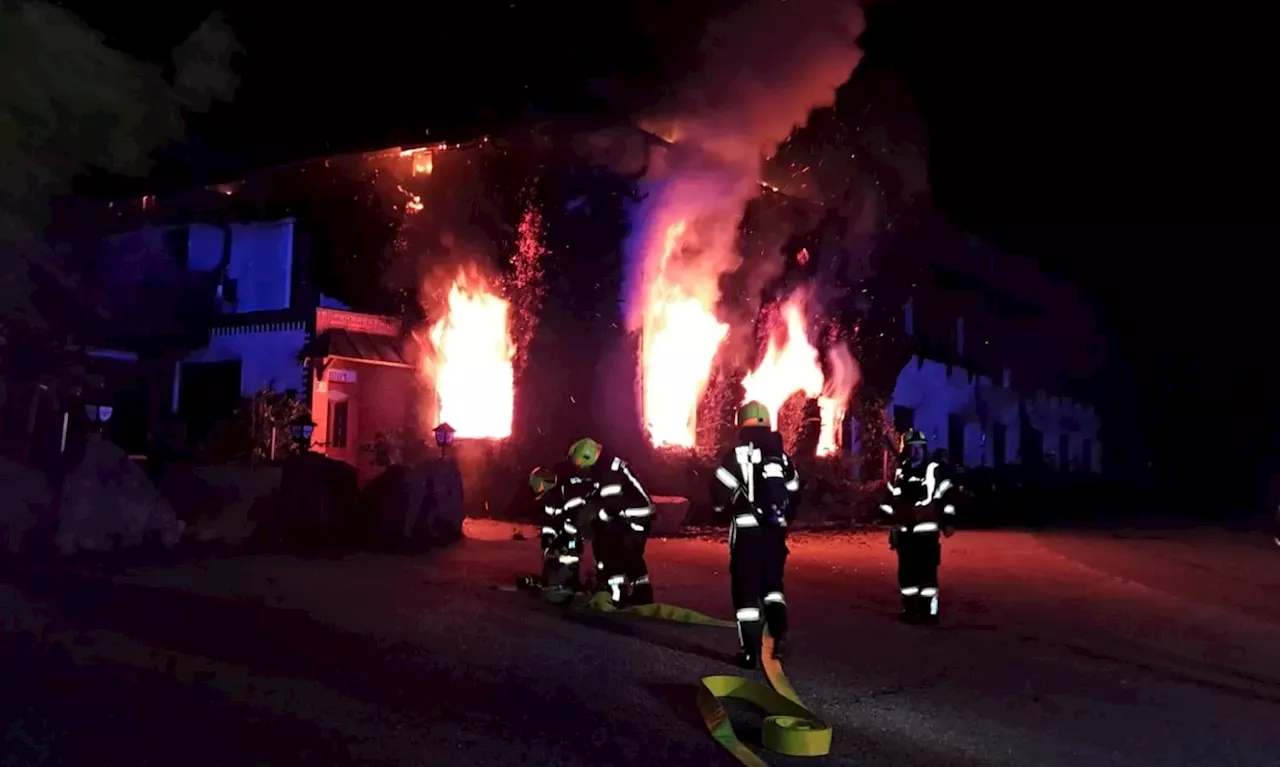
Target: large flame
(842,378)
(791,364)
(470,361)
(680,338)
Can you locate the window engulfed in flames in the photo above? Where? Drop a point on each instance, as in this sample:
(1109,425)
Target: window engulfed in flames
(681,338)
(469,361)
(791,364)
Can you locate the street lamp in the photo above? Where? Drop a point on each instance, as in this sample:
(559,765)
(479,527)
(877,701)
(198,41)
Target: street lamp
(98,413)
(444,437)
(300,429)
(98,416)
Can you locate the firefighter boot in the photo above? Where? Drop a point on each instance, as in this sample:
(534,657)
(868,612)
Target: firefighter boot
(750,635)
(614,587)
(641,592)
(910,609)
(557,595)
(929,605)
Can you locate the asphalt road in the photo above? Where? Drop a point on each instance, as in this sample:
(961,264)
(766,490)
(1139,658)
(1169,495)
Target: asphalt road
(1055,649)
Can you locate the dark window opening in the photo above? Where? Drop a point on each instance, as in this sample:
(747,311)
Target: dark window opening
(1000,436)
(338,424)
(903,418)
(1064,452)
(955,439)
(209,393)
(1032,442)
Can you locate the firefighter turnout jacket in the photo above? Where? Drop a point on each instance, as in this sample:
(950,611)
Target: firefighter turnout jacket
(620,499)
(758,485)
(756,482)
(920,498)
(624,515)
(567,516)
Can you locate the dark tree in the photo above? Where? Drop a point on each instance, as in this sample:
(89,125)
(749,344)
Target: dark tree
(70,105)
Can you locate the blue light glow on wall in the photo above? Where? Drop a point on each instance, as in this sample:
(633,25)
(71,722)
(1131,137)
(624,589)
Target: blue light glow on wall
(267,358)
(262,265)
(205,245)
(935,395)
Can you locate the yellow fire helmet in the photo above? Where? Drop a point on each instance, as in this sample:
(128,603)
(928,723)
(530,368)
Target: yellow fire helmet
(914,437)
(753,414)
(542,480)
(584,453)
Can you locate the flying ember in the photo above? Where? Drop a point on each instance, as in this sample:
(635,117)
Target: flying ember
(470,361)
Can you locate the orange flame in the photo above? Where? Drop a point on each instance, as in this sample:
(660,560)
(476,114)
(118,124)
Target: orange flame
(470,361)
(791,364)
(680,338)
(413,202)
(423,164)
(842,379)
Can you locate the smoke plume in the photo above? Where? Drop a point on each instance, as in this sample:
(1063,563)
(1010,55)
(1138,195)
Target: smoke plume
(763,70)
(759,73)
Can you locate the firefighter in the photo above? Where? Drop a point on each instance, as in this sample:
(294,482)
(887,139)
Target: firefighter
(918,507)
(624,514)
(561,541)
(758,485)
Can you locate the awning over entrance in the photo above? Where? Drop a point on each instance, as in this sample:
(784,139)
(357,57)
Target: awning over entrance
(355,346)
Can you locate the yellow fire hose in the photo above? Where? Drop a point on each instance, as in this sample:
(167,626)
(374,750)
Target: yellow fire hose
(789,727)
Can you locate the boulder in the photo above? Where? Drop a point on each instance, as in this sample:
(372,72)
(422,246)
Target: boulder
(223,504)
(669,514)
(26,501)
(442,510)
(108,502)
(384,502)
(418,506)
(317,499)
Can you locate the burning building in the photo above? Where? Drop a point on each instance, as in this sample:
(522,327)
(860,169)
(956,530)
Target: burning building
(469,361)
(447,250)
(528,291)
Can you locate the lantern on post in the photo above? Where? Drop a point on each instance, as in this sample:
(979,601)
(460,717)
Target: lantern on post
(444,438)
(300,429)
(98,414)
(94,409)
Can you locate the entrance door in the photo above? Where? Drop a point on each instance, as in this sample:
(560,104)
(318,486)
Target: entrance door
(209,393)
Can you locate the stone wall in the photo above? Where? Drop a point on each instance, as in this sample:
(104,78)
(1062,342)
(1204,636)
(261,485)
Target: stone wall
(222,504)
(27,501)
(108,502)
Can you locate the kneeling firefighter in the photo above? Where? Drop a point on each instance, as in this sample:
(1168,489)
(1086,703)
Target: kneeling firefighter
(758,485)
(624,514)
(917,508)
(561,540)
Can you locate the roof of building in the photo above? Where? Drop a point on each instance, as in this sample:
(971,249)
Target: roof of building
(356,346)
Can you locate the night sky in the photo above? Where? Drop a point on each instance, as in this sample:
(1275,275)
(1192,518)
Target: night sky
(1110,145)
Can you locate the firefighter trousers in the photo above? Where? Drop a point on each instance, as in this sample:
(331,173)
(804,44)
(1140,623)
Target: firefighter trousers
(757,563)
(620,567)
(919,555)
(560,563)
